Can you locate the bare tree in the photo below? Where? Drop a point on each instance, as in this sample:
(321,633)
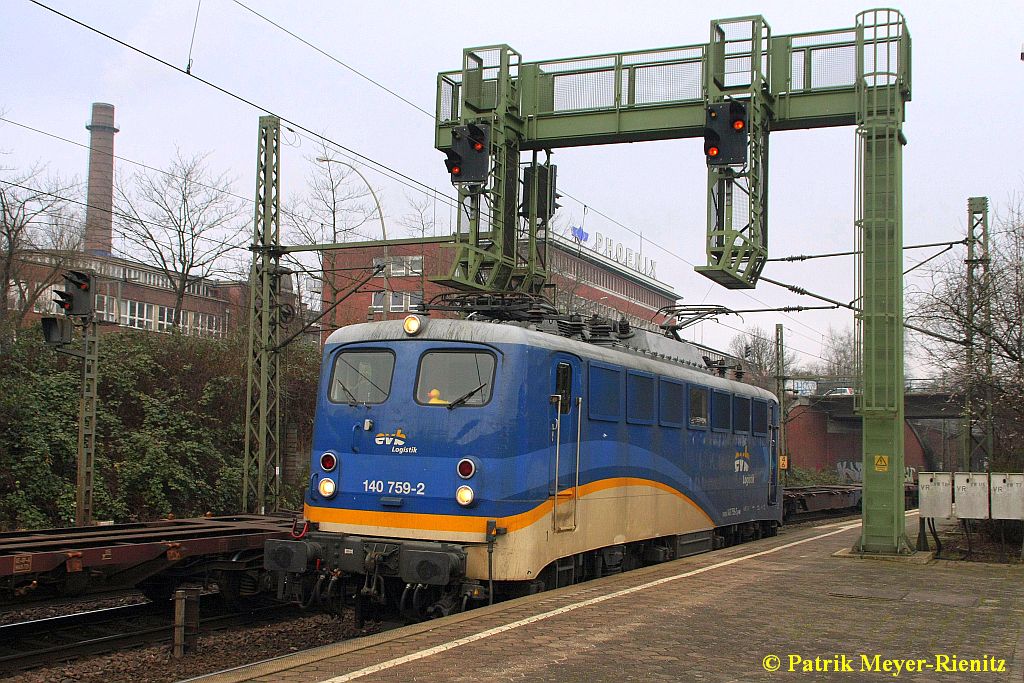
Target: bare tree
(943,308)
(336,205)
(420,220)
(182,221)
(757,347)
(839,350)
(40,230)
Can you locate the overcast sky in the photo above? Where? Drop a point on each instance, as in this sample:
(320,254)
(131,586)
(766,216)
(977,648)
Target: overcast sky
(962,126)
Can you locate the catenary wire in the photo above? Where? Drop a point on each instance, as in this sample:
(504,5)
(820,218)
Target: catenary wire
(69,141)
(422,187)
(418,108)
(690,263)
(380,167)
(333,58)
(283,211)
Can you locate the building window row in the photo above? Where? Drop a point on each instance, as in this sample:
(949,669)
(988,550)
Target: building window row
(583,271)
(137,314)
(396,301)
(400,266)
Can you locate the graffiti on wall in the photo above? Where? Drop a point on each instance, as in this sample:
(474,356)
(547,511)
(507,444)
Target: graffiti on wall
(853,471)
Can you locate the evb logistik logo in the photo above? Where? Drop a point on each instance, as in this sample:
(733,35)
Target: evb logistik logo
(396,440)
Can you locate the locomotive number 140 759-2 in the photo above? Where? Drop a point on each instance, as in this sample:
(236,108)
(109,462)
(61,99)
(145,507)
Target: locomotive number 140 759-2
(400,487)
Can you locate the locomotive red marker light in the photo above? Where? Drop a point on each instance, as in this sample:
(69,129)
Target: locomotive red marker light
(328,462)
(466,468)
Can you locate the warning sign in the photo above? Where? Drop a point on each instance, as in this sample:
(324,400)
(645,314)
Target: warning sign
(783,462)
(881,463)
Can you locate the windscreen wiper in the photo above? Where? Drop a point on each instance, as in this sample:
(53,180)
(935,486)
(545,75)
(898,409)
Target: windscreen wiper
(351,397)
(466,396)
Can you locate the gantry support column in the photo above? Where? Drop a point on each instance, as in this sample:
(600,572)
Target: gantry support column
(261,467)
(880,278)
(979,317)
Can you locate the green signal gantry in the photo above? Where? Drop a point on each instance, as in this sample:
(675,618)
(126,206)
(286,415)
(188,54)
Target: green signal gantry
(856,76)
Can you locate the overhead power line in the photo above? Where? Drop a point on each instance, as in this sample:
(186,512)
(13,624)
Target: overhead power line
(806,257)
(433,118)
(690,263)
(380,167)
(120,214)
(333,58)
(395,175)
(757,336)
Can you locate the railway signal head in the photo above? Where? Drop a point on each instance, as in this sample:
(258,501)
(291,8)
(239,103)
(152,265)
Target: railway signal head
(78,295)
(64,301)
(468,157)
(725,134)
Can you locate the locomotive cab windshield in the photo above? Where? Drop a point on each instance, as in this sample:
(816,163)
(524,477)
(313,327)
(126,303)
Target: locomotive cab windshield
(362,376)
(454,378)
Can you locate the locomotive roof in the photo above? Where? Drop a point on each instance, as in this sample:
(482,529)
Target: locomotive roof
(644,350)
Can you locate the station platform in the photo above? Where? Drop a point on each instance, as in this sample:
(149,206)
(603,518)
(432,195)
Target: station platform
(796,607)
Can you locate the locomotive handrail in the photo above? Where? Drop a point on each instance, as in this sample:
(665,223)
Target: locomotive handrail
(579,432)
(556,400)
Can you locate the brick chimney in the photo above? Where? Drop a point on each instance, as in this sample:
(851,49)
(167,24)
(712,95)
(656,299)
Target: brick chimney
(99,214)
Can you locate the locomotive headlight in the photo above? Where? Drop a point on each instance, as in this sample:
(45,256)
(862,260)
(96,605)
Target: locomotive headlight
(412,325)
(464,496)
(327,487)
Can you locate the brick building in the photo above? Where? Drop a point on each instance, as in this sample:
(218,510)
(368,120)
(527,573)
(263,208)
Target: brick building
(585,281)
(134,295)
(128,293)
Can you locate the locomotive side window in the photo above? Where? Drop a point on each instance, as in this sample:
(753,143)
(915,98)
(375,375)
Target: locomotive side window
(563,386)
(760,418)
(698,408)
(639,398)
(361,376)
(721,411)
(672,408)
(605,392)
(455,378)
(741,414)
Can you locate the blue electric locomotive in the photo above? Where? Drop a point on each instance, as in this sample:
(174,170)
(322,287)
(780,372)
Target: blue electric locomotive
(458,460)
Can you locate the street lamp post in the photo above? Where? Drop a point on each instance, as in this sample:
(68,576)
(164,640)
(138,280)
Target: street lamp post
(380,214)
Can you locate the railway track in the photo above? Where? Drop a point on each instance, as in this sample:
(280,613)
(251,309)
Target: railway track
(30,644)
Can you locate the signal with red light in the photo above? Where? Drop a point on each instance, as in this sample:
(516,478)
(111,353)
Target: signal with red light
(77,297)
(468,157)
(725,134)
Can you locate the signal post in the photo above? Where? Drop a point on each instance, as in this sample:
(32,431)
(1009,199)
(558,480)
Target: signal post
(77,302)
